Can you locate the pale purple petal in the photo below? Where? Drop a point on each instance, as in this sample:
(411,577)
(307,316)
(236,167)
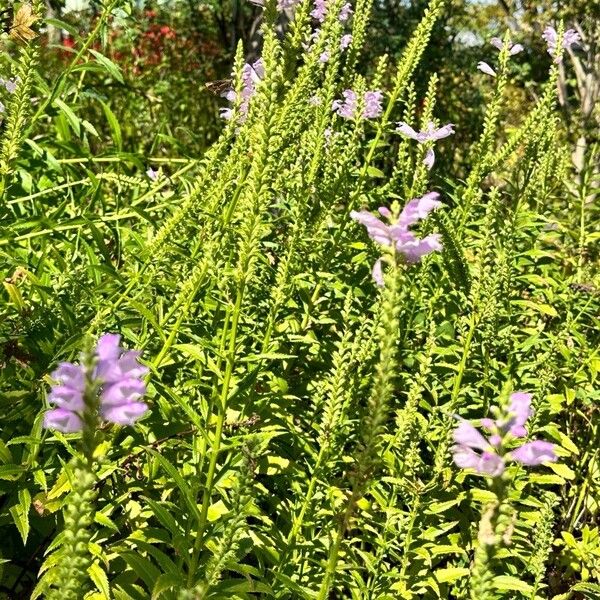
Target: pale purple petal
(516,49)
(11,85)
(466,435)
(487,463)
(377,230)
(378,273)
(70,375)
(124,414)
(520,410)
(551,37)
(495,440)
(385,212)
(429,158)
(534,453)
(373,107)
(464,457)
(345,13)
(345,41)
(497,43)
(488,424)
(320,10)
(324,57)
(108,347)
(67,397)
(418,208)
(414,251)
(230,95)
(485,68)
(490,464)
(63,420)
(122,392)
(442,132)
(406,130)
(152,174)
(569,38)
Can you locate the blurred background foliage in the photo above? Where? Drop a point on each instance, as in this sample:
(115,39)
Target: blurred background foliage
(168,51)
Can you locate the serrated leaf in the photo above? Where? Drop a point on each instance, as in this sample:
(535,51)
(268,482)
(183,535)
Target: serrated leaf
(98,576)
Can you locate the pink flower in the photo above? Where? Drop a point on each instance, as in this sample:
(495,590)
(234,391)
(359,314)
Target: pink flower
(115,380)
(550,35)
(345,41)
(345,12)
(320,10)
(347,107)
(287,4)
(397,234)
(373,108)
(534,453)
(489,456)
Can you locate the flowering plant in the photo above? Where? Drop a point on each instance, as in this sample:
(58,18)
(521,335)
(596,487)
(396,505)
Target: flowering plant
(489,456)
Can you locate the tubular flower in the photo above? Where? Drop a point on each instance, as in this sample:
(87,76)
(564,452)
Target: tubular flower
(570,37)
(114,383)
(397,234)
(512,48)
(485,68)
(345,41)
(431,134)
(489,456)
(319,11)
(348,107)
(251,76)
(287,4)
(345,12)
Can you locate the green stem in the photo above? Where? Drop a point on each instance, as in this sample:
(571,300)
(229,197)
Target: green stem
(216,445)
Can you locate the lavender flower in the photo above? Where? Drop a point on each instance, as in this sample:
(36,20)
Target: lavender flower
(550,35)
(287,4)
(397,234)
(324,57)
(345,41)
(488,456)
(10,84)
(512,48)
(114,382)
(348,107)
(152,174)
(345,12)
(251,76)
(122,384)
(373,108)
(320,10)
(485,68)
(431,134)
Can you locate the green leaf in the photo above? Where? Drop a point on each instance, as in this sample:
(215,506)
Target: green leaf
(98,576)
(450,574)
(20,513)
(513,584)
(109,65)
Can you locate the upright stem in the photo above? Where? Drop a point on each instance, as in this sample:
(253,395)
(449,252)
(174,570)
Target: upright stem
(216,444)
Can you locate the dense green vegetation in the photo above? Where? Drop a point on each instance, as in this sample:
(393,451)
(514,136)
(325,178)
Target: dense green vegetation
(302,406)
